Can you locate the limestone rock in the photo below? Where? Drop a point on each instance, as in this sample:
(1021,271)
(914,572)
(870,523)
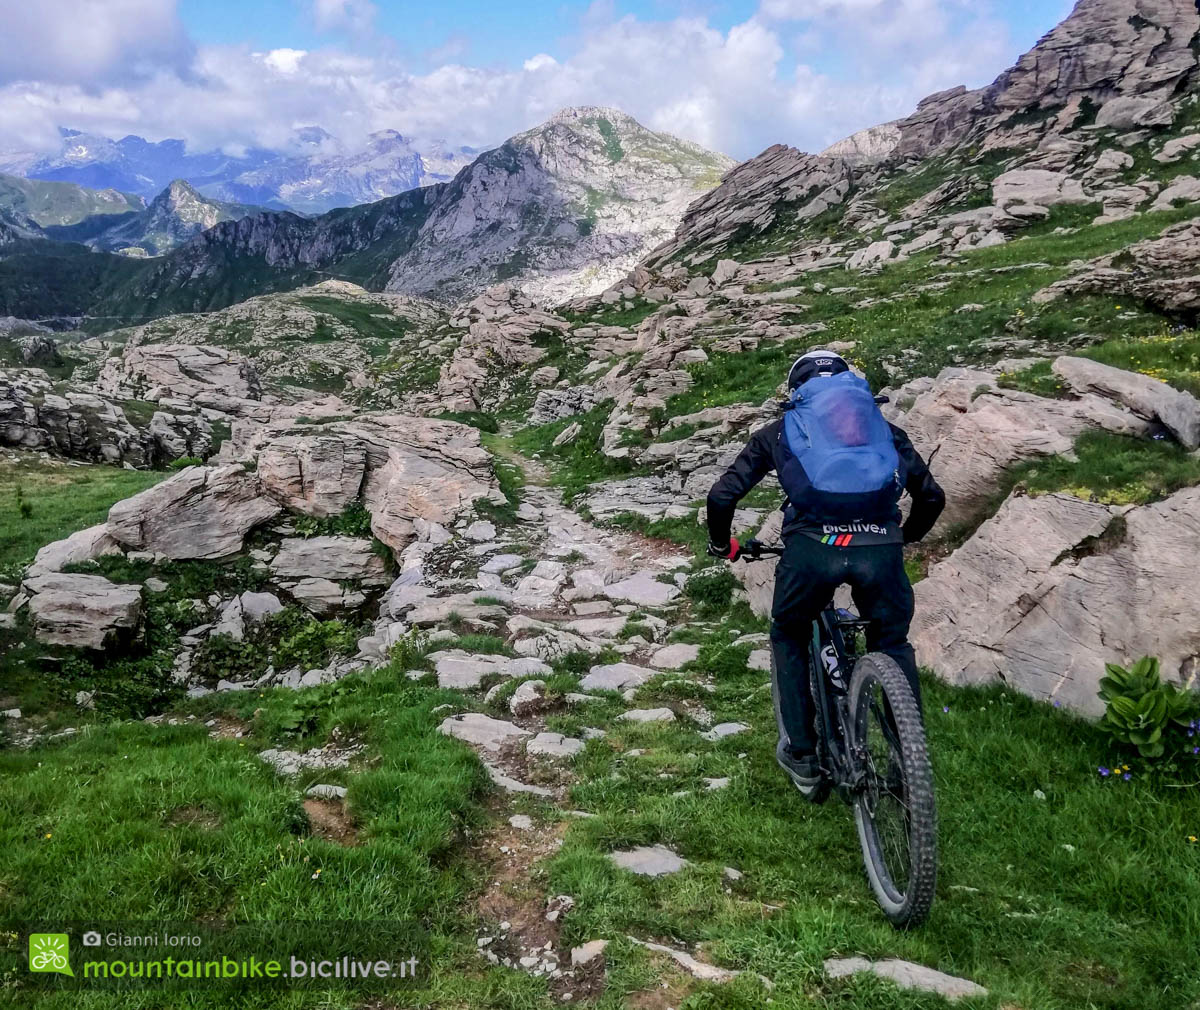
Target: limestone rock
(616,677)
(642,589)
(648,715)
(1038,187)
(481,730)
(201,512)
(973,430)
(554,745)
(906,975)
(333,557)
(1052,588)
(649,860)
(458,669)
(317,476)
(86,545)
(84,611)
(672,657)
(157,371)
(1153,399)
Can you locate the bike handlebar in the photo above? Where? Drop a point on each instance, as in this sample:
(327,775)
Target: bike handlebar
(755,550)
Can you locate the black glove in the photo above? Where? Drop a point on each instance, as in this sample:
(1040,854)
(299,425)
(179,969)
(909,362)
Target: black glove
(729,552)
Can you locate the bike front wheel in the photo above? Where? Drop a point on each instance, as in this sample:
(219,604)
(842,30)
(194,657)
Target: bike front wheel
(894,807)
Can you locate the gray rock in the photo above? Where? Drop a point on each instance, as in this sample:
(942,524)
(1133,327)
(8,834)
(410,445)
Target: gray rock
(648,715)
(511,785)
(481,730)
(587,953)
(201,512)
(642,589)
(529,697)
(616,677)
(84,611)
(1052,588)
(85,545)
(724,729)
(1147,397)
(649,860)
(334,558)
(906,975)
(672,657)
(458,669)
(480,531)
(554,745)
(324,791)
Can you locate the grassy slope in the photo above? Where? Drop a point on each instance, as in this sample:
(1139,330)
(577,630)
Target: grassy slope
(62,498)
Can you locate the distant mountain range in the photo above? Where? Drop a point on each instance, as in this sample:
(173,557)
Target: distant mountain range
(315,176)
(567,207)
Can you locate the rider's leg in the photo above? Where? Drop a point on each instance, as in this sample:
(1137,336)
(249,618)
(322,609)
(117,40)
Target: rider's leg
(884,596)
(805,579)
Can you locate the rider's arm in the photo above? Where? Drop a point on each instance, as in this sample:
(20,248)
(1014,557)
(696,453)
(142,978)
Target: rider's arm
(928,499)
(753,463)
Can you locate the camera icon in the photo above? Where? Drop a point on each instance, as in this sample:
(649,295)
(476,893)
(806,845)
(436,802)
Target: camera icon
(91,938)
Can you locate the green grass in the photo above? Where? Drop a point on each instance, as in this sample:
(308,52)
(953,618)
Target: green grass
(1172,357)
(368,321)
(1089,898)
(139,823)
(581,463)
(61,499)
(1113,469)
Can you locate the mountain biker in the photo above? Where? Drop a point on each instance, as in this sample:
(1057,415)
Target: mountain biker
(824,549)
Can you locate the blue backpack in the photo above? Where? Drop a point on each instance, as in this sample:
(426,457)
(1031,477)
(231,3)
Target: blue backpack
(839,459)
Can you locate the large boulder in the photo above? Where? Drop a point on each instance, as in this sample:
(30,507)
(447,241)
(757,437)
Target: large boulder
(972,430)
(1163,271)
(1050,589)
(1153,399)
(201,512)
(1036,187)
(317,476)
(178,371)
(84,611)
(85,545)
(412,468)
(335,558)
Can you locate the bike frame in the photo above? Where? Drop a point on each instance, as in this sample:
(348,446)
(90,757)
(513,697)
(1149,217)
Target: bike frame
(829,662)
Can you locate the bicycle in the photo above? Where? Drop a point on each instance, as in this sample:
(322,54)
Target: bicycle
(872,752)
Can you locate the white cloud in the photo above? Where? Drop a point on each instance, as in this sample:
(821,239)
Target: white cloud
(355,16)
(770,79)
(89,41)
(286,61)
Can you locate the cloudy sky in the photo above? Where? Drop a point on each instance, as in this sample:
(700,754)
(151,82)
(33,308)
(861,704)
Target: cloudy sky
(735,75)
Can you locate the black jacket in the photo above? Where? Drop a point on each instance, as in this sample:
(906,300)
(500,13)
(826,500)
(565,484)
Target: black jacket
(763,454)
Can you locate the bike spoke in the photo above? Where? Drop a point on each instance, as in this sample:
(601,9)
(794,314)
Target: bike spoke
(888,807)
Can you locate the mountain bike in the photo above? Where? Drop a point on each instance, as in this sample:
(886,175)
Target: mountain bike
(872,753)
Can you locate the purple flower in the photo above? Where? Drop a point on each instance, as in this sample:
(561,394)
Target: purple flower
(1104,772)
(1127,776)
(945,708)
(1196,750)
(1057,703)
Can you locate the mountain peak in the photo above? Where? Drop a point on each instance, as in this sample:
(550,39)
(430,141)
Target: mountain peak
(582,113)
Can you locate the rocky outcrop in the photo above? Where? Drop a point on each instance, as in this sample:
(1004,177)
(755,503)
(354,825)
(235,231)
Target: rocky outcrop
(505,330)
(780,184)
(404,468)
(201,512)
(157,371)
(84,545)
(83,611)
(1163,271)
(333,557)
(972,430)
(318,476)
(1126,58)
(1153,399)
(1050,589)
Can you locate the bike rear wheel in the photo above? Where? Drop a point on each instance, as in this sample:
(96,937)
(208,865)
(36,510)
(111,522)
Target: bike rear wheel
(894,812)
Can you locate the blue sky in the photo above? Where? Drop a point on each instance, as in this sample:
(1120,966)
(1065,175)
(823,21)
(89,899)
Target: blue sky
(483,32)
(734,75)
